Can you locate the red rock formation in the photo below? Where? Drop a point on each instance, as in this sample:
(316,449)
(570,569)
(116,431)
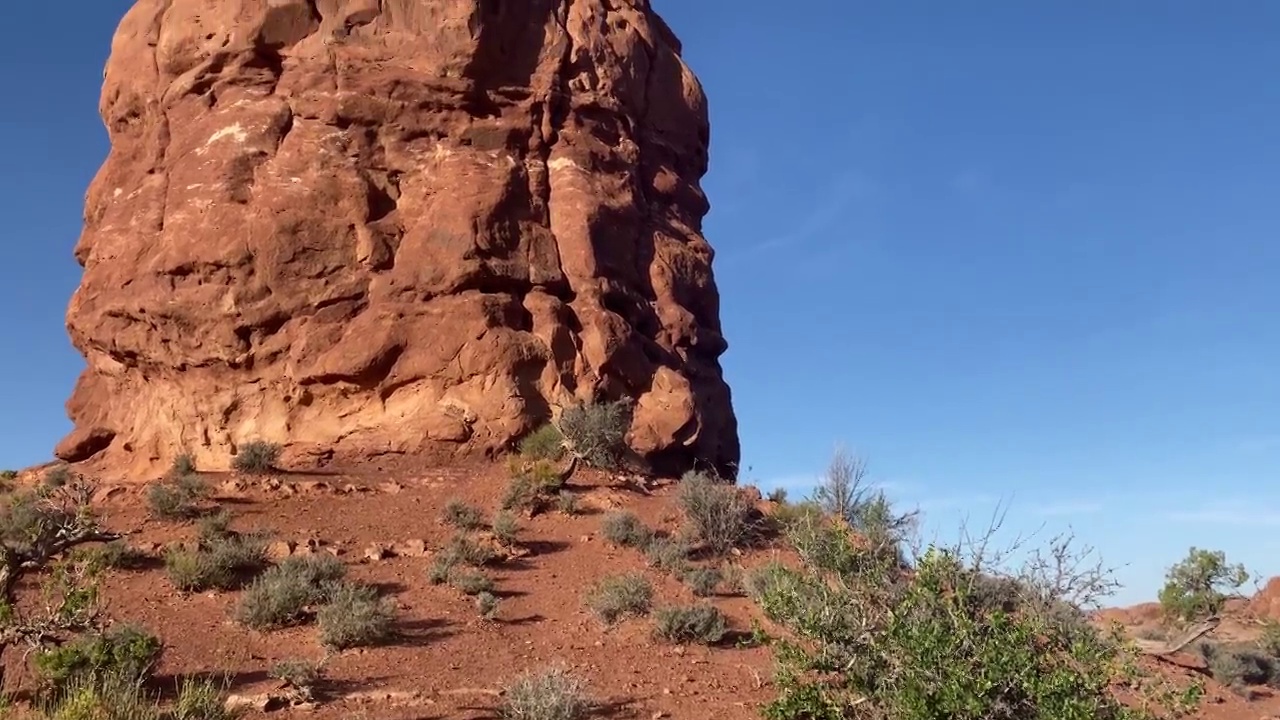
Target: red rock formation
(361,227)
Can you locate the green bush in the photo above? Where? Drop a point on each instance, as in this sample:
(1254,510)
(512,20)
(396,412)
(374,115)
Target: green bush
(596,432)
(183,465)
(567,503)
(865,639)
(670,555)
(703,581)
(617,596)
(487,604)
(199,699)
(355,616)
(256,457)
(552,694)
(1239,666)
(624,529)
(506,529)
(117,555)
(105,697)
(465,550)
(702,623)
(300,677)
(222,563)
(1197,587)
(178,497)
(124,651)
(280,596)
(534,486)
(545,443)
(471,583)
(721,516)
(463,516)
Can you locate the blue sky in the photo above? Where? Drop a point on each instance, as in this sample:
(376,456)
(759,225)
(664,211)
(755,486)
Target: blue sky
(1018,252)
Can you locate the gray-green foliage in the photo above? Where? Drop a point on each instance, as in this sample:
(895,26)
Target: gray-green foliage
(596,431)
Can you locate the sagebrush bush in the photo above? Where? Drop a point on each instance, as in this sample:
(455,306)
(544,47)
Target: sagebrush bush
(624,529)
(567,503)
(183,465)
(534,486)
(506,529)
(617,596)
(117,555)
(718,512)
(125,651)
(103,697)
(256,457)
(552,694)
(545,443)
(670,555)
(487,604)
(702,623)
(467,551)
(596,432)
(200,699)
(281,596)
(354,616)
(1239,665)
(301,677)
(222,563)
(177,497)
(463,516)
(703,581)
(471,583)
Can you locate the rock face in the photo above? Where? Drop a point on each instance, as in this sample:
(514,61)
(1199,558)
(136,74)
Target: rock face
(371,227)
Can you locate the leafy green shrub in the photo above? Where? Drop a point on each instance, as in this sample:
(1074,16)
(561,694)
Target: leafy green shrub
(624,529)
(703,581)
(199,699)
(670,555)
(465,550)
(1197,587)
(596,432)
(124,651)
(865,639)
(702,623)
(256,457)
(355,616)
(463,516)
(471,583)
(545,443)
(222,563)
(104,697)
(441,568)
(617,596)
(552,694)
(280,596)
(721,515)
(183,465)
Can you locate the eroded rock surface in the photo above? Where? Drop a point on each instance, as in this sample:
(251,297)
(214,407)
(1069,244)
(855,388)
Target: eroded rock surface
(362,228)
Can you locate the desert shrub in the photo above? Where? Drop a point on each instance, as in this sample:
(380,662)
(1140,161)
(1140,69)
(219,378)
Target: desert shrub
(256,457)
(441,568)
(1198,586)
(471,583)
(701,623)
(487,604)
(844,494)
(719,514)
(567,503)
(865,639)
(107,697)
(183,465)
(778,496)
(534,486)
(670,555)
(214,526)
(117,555)
(1238,665)
(1269,639)
(280,596)
(552,694)
(221,563)
(624,529)
(199,699)
(703,581)
(463,516)
(506,529)
(545,443)
(8,476)
(300,677)
(123,651)
(616,596)
(58,476)
(354,616)
(177,497)
(596,432)
(464,549)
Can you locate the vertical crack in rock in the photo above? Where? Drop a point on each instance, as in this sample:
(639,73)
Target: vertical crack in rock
(250,275)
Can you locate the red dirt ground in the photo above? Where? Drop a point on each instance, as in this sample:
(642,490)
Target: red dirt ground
(449,663)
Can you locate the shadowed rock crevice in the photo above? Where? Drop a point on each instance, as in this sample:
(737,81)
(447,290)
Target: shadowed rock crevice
(363,227)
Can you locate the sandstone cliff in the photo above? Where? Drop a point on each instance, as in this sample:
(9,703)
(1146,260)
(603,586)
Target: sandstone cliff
(370,227)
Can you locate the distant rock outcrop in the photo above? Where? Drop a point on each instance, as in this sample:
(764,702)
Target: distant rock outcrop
(370,227)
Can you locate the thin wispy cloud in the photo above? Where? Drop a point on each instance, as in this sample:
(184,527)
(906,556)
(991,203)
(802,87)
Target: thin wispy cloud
(1066,508)
(844,191)
(1236,514)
